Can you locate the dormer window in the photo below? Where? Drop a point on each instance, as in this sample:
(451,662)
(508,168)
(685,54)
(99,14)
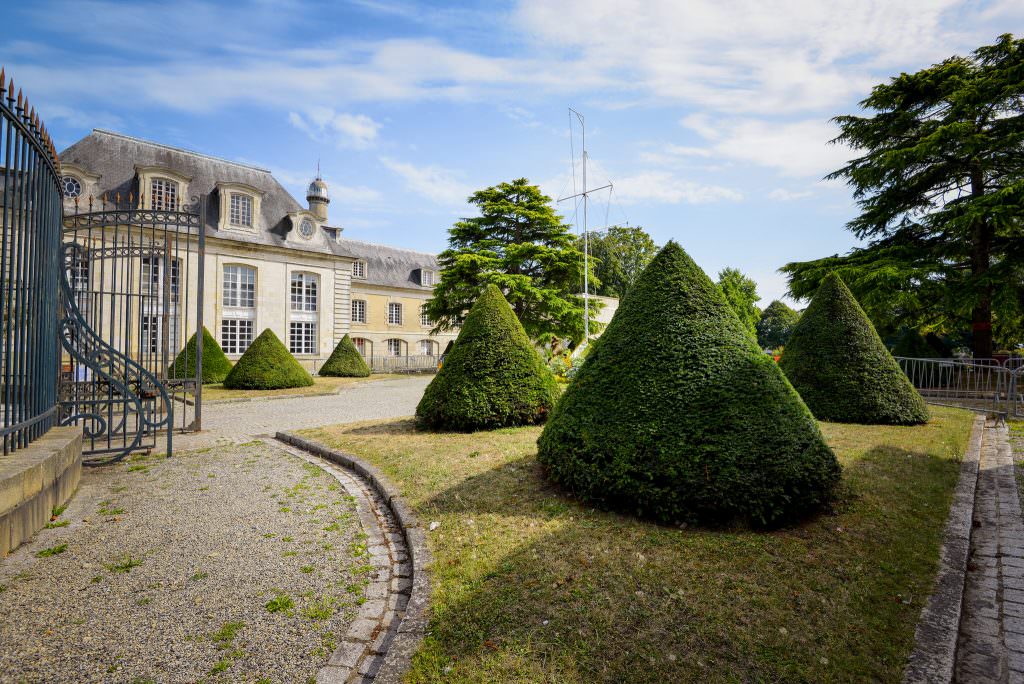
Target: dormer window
(163,193)
(241,210)
(359,269)
(72,187)
(426,278)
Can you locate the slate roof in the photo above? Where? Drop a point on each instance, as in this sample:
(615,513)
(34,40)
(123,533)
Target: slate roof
(114,156)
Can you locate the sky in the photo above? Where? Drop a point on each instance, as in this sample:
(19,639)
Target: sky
(710,118)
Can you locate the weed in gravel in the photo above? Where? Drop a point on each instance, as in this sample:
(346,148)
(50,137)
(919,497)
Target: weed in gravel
(57,523)
(199,576)
(225,636)
(52,551)
(287,554)
(96,579)
(138,468)
(145,601)
(287,539)
(56,511)
(124,565)
(333,527)
(328,642)
(255,442)
(3,588)
(313,470)
(285,509)
(211,475)
(204,489)
(307,569)
(143,680)
(269,535)
(358,549)
(280,603)
(327,547)
(108,508)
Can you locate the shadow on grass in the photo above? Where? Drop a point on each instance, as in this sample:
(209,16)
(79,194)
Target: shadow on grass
(536,587)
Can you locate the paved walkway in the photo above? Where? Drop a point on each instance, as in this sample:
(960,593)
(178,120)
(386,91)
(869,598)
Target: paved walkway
(991,642)
(240,421)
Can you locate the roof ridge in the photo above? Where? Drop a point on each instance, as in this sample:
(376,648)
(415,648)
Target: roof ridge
(180,149)
(385,246)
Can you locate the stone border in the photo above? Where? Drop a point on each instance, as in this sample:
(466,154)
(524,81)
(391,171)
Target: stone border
(392,648)
(934,656)
(35,479)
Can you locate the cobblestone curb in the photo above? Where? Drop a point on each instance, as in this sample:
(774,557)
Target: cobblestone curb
(392,622)
(935,640)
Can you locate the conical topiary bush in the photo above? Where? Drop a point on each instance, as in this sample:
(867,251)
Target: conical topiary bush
(677,415)
(492,377)
(216,365)
(838,363)
(267,364)
(345,361)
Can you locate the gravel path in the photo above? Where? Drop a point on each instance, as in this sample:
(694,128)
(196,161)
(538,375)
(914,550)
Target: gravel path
(238,563)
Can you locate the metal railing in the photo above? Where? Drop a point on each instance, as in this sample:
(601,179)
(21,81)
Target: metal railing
(30,222)
(402,364)
(985,385)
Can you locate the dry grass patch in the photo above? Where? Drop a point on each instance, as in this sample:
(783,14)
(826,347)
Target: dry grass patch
(531,586)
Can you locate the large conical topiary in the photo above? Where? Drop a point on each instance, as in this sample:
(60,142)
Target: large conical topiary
(216,365)
(267,364)
(345,361)
(841,368)
(492,377)
(677,415)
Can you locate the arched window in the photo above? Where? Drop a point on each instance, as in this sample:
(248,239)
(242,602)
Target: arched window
(427,348)
(239,308)
(163,194)
(302,328)
(395,347)
(363,345)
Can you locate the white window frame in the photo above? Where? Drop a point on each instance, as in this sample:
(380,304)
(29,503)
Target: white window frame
(239,292)
(302,337)
(393,309)
(163,193)
(394,346)
(359,311)
(240,209)
(425,317)
(360,344)
(236,334)
(304,292)
(238,310)
(426,277)
(359,269)
(427,347)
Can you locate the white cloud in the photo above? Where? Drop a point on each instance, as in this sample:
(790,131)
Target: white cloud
(432,182)
(784,195)
(663,187)
(343,129)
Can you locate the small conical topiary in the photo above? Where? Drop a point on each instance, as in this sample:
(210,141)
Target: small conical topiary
(838,363)
(345,361)
(677,415)
(216,365)
(492,377)
(267,364)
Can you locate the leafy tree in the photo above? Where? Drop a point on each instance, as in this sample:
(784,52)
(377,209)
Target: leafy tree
(519,244)
(620,254)
(940,185)
(741,294)
(775,325)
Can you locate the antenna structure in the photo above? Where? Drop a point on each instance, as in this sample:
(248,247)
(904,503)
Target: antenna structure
(585,194)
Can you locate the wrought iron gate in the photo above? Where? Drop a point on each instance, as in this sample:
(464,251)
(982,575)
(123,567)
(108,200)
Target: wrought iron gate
(132,300)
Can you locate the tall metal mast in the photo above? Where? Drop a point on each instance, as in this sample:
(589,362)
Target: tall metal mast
(586,235)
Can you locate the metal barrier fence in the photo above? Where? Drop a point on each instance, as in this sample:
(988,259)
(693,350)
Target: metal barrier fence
(402,364)
(980,385)
(30,222)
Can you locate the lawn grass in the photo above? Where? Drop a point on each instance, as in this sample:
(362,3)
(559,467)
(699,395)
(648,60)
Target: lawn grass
(530,586)
(321,385)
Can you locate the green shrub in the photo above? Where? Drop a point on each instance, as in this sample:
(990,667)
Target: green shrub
(266,364)
(345,361)
(492,377)
(838,363)
(677,415)
(216,365)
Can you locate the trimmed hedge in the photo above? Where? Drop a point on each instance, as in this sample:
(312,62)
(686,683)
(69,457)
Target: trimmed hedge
(492,377)
(677,415)
(345,361)
(216,365)
(840,366)
(267,364)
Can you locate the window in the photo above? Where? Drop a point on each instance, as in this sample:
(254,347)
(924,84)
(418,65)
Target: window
(302,337)
(235,335)
(150,334)
(394,313)
(163,194)
(72,187)
(394,347)
(359,269)
(241,210)
(306,228)
(426,348)
(425,317)
(426,278)
(304,286)
(239,286)
(360,345)
(152,280)
(358,311)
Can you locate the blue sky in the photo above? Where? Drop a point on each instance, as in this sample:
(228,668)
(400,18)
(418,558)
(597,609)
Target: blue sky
(711,117)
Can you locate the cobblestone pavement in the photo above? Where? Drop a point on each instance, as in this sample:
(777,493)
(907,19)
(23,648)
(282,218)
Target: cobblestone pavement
(238,422)
(991,642)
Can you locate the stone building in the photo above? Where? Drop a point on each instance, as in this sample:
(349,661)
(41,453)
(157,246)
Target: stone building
(270,262)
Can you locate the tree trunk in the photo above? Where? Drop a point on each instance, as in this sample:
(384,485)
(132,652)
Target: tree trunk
(981,248)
